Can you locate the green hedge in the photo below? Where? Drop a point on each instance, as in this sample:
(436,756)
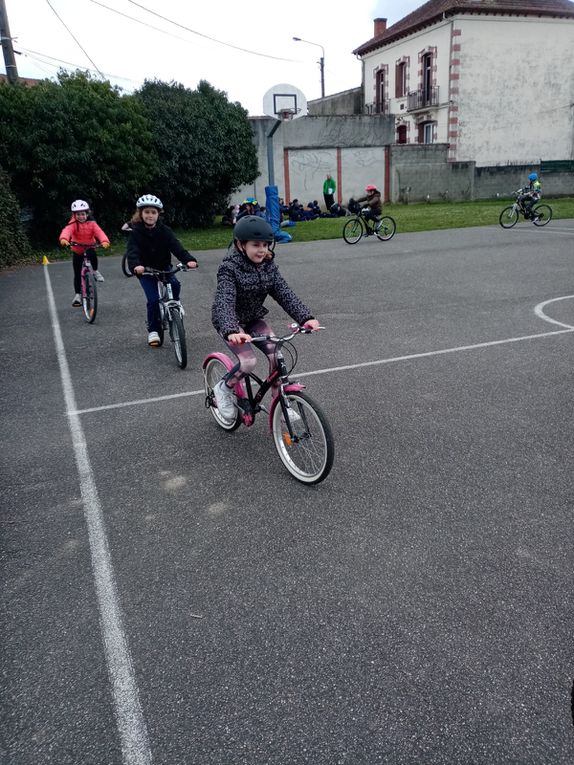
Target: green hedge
(14,244)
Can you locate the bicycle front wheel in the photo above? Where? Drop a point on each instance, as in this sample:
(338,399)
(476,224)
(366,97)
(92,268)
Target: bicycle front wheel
(308,454)
(89,296)
(177,333)
(542,215)
(508,217)
(353,230)
(213,371)
(385,228)
(125,270)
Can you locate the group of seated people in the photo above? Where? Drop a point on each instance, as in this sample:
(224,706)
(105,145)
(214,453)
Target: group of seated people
(294,212)
(297,212)
(249,206)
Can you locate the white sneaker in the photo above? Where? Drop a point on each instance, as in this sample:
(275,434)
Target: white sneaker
(98,277)
(153,339)
(225,400)
(77,301)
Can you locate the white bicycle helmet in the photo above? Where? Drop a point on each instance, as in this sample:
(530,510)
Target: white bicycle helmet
(79,205)
(149,200)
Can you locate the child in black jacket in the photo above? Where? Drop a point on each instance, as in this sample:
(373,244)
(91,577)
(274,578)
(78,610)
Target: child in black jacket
(151,244)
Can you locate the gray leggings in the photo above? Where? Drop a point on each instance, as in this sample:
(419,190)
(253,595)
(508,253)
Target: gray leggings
(246,357)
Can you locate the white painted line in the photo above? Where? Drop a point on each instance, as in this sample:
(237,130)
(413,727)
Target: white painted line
(376,362)
(137,402)
(538,310)
(129,717)
(441,352)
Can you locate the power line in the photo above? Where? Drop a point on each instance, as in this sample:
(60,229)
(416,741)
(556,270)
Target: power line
(207,37)
(36,55)
(138,21)
(75,40)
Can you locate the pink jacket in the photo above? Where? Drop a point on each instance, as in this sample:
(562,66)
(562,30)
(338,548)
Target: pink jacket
(87,232)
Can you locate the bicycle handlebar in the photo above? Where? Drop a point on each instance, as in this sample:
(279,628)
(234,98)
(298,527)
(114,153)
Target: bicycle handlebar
(297,330)
(85,246)
(178,267)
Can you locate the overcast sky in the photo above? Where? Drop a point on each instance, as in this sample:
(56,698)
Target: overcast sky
(128,44)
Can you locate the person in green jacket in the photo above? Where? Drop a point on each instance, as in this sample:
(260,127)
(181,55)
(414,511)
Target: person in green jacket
(329,188)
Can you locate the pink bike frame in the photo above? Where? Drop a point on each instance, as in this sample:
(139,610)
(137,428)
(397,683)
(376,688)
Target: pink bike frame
(240,387)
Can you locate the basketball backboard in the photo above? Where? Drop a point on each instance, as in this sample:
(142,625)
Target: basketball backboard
(284,101)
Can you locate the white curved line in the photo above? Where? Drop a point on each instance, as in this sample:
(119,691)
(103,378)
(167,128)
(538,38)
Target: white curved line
(541,315)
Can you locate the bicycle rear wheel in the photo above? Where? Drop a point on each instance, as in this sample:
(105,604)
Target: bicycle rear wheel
(353,230)
(309,454)
(89,296)
(542,215)
(385,228)
(213,371)
(508,217)
(177,334)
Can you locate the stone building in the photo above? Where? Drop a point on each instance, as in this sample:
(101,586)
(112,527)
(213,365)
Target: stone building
(460,99)
(492,79)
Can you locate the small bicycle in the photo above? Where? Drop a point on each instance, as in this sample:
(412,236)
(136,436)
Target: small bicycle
(358,226)
(126,228)
(171,312)
(541,214)
(88,289)
(300,430)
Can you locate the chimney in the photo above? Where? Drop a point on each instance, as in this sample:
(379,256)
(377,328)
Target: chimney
(380,27)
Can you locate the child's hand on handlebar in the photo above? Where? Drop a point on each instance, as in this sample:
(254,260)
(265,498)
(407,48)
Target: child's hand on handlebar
(238,338)
(139,270)
(312,324)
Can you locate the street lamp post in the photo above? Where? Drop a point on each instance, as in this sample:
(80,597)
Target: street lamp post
(321,62)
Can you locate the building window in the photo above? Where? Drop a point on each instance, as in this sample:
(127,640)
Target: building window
(402,134)
(427,78)
(380,92)
(426,131)
(401,79)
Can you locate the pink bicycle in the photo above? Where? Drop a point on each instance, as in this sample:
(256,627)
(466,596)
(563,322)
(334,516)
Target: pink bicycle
(300,430)
(88,289)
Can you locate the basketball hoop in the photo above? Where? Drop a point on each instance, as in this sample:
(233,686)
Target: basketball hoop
(286,114)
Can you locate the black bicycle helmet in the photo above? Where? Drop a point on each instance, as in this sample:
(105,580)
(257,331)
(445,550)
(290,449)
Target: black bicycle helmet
(252,228)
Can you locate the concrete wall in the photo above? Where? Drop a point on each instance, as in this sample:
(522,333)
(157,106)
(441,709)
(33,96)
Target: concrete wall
(306,149)
(357,150)
(422,171)
(346,102)
(516,90)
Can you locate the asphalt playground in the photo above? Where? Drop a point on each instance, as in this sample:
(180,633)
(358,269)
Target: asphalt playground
(170,594)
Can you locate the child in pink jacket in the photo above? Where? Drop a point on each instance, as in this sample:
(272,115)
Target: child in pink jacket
(83,231)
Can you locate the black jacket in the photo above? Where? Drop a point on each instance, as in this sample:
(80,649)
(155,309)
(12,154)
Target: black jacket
(153,247)
(242,287)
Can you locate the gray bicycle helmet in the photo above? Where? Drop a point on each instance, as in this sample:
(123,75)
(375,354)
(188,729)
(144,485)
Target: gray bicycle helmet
(149,200)
(252,228)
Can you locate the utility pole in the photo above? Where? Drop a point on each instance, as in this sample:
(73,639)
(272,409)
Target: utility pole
(7,48)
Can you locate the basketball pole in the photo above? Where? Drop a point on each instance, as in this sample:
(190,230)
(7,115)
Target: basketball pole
(270,163)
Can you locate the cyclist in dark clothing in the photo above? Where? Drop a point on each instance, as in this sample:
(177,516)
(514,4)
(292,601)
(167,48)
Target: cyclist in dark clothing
(373,208)
(151,244)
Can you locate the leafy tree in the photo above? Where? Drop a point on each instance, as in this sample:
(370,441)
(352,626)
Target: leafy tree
(75,138)
(205,145)
(14,245)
